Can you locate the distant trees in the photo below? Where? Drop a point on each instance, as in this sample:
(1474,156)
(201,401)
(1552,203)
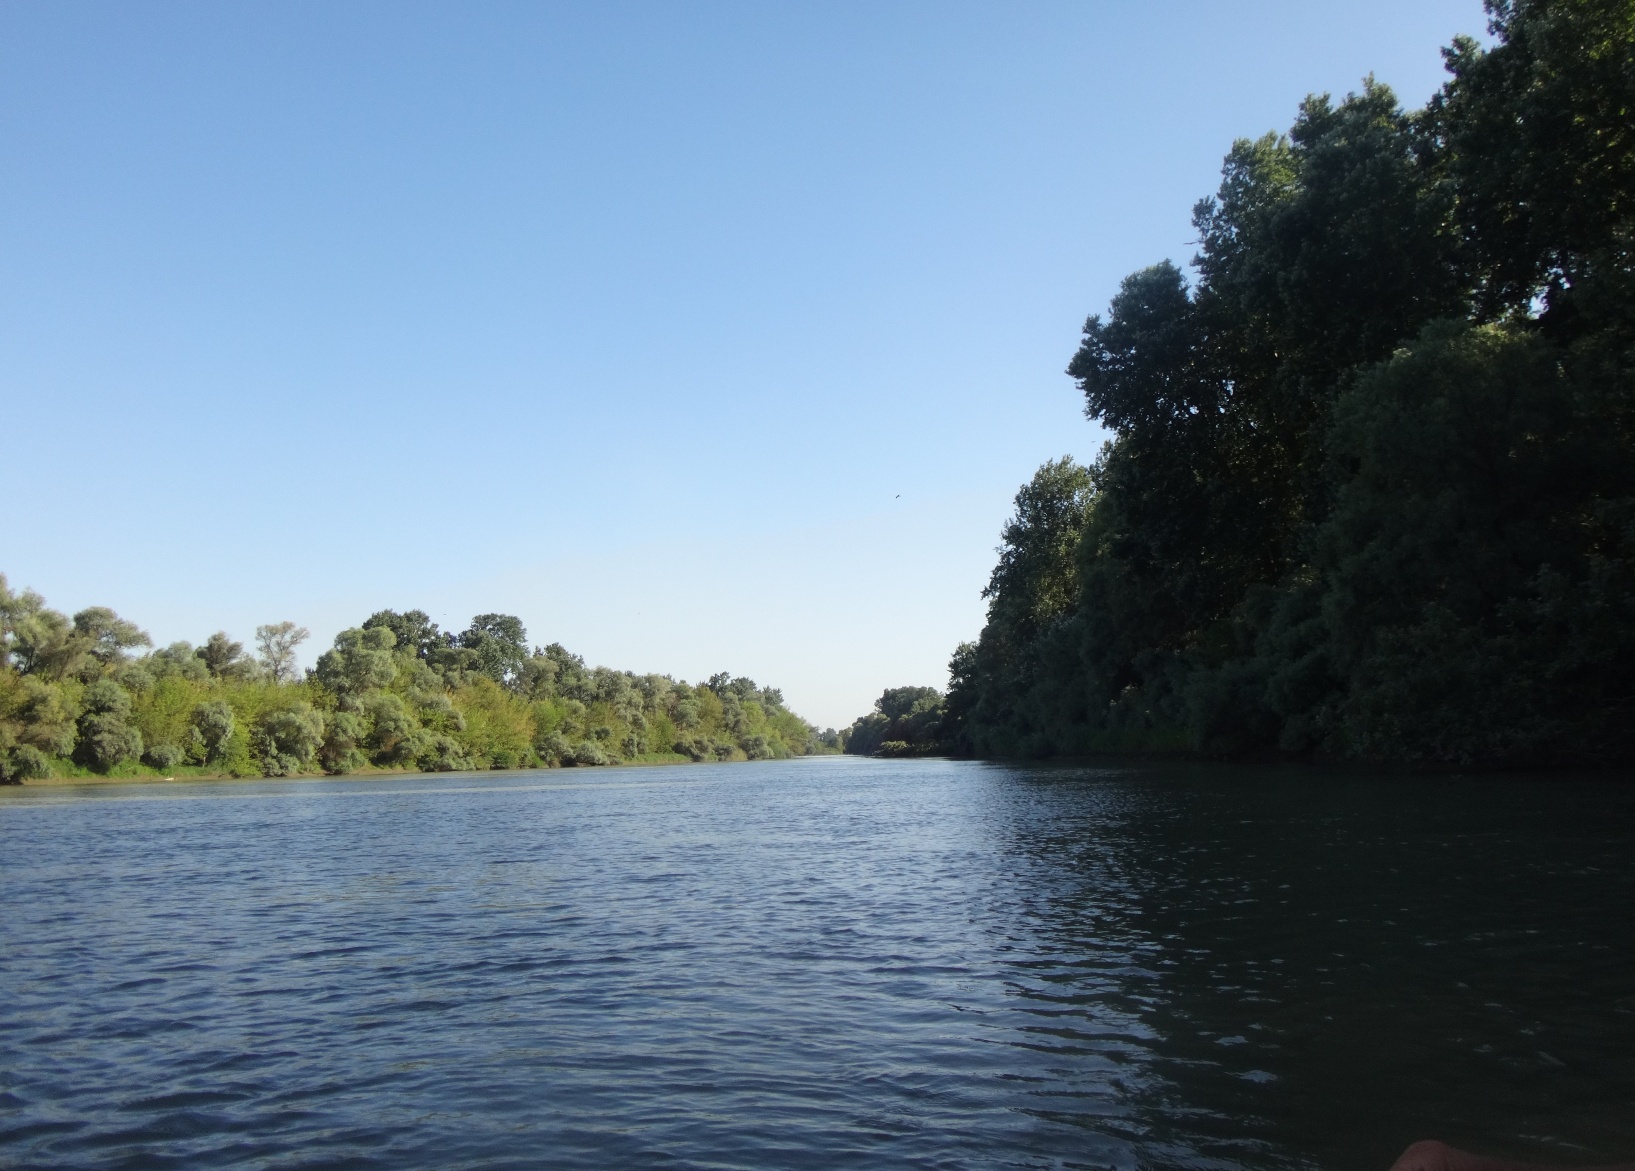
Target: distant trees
(499,644)
(223,657)
(287,739)
(55,697)
(359,662)
(494,645)
(413,631)
(105,733)
(277,643)
(395,692)
(210,732)
(41,642)
(906,721)
(1371,486)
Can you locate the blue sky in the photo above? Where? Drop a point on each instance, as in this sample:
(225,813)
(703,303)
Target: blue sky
(700,336)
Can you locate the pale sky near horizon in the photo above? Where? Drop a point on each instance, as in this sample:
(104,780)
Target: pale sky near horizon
(701,336)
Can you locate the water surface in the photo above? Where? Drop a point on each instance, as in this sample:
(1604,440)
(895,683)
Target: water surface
(817,964)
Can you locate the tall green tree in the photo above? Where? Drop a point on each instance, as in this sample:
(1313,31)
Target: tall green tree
(360,661)
(413,629)
(277,642)
(106,736)
(906,721)
(224,657)
(1369,490)
(500,643)
(1535,141)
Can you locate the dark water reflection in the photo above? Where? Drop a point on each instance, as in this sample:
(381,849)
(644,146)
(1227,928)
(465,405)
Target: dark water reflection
(829,963)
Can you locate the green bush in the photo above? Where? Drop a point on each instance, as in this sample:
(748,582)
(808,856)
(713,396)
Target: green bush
(287,741)
(23,762)
(163,756)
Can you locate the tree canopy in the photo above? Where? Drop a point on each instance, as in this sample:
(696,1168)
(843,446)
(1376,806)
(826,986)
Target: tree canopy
(392,693)
(1370,490)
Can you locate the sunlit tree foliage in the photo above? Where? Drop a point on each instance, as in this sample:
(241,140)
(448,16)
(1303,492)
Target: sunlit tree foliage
(393,693)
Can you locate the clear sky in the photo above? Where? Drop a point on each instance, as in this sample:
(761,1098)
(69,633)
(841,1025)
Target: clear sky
(700,336)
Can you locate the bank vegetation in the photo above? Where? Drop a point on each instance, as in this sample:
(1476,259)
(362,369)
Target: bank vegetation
(1369,491)
(87,696)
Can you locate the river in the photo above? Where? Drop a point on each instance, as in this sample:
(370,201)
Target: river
(825,963)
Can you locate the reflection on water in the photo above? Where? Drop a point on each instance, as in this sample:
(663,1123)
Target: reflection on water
(829,963)
(1327,966)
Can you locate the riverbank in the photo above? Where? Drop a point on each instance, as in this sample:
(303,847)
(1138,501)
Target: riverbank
(150,776)
(392,694)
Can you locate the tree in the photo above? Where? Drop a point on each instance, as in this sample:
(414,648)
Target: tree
(41,714)
(277,643)
(222,656)
(1534,137)
(906,721)
(742,687)
(1475,595)
(538,677)
(179,658)
(392,728)
(1370,485)
(210,732)
(105,735)
(37,640)
(28,629)
(360,661)
(287,740)
(105,636)
(414,630)
(432,705)
(500,643)
(22,762)
(1037,578)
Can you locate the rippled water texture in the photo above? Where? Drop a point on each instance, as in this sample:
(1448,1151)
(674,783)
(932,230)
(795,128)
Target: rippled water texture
(823,963)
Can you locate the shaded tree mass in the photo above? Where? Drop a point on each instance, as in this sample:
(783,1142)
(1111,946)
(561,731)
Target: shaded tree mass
(906,721)
(1370,491)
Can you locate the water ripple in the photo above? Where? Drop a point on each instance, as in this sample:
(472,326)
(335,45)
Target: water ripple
(830,963)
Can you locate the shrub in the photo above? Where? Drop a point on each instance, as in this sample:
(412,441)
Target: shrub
(340,752)
(106,740)
(105,734)
(211,732)
(438,752)
(23,762)
(695,747)
(163,756)
(287,740)
(589,752)
(499,725)
(553,748)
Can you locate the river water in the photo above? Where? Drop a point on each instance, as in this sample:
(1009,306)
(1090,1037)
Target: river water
(823,963)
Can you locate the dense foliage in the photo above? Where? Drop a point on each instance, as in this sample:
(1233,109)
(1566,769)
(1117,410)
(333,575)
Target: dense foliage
(1371,486)
(906,721)
(393,693)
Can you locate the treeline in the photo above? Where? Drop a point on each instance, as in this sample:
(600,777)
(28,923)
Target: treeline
(906,721)
(393,693)
(1371,487)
